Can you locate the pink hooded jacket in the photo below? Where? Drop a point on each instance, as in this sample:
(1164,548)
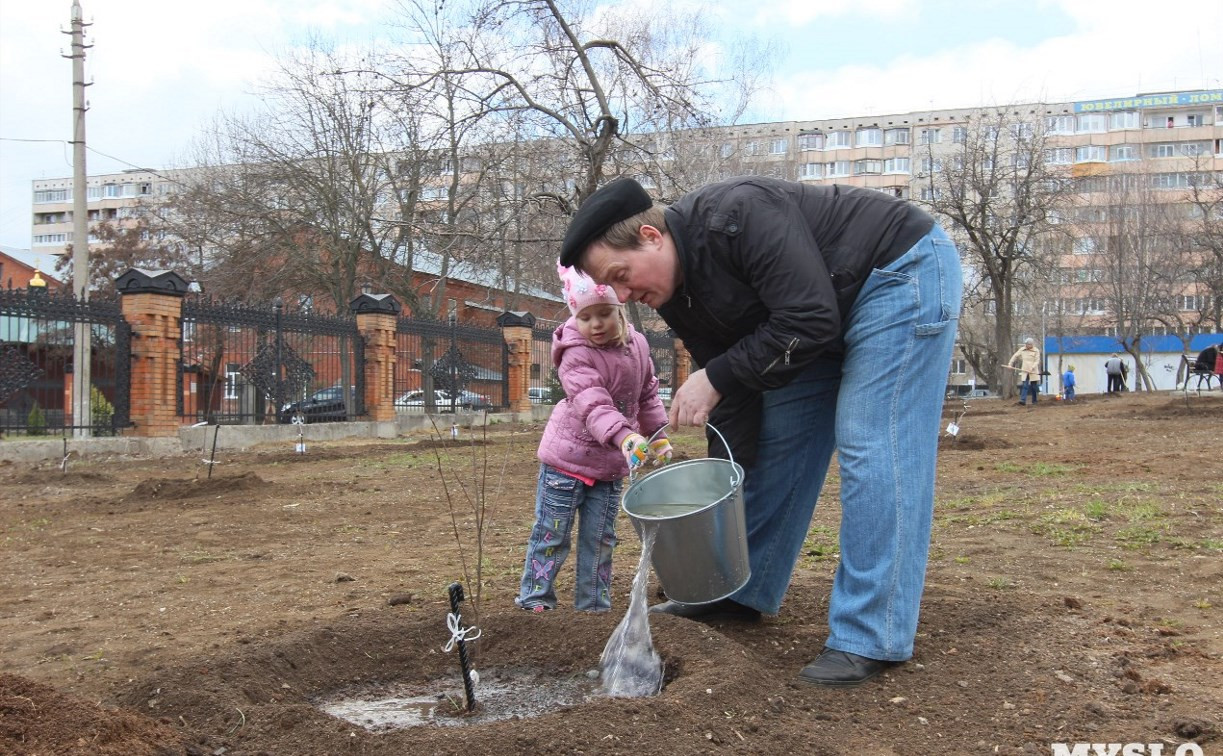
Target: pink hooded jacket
(610,392)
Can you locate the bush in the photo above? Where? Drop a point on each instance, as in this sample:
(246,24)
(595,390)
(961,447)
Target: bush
(101,410)
(36,422)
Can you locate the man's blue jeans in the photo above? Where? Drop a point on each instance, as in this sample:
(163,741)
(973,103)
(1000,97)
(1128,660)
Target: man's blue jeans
(879,407)
(559,499)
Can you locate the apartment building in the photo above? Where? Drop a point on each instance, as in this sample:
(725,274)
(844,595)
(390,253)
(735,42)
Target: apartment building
(111,197)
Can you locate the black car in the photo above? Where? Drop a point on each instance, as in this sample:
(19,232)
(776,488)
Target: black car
(323,406)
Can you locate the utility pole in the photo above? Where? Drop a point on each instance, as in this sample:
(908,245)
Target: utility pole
(82,348)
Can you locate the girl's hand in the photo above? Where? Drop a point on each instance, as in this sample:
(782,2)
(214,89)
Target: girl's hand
(660,451)
(635,449)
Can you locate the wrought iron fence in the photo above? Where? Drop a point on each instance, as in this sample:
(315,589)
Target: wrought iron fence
(244,364)
(443,366)
(38,332)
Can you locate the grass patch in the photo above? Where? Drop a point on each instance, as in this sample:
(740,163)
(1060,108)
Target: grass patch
(1096,510)
(1037,469)
(821,544)
(201,557)
(1138,536)
(1117,565)
(1000,584)
(1066,527)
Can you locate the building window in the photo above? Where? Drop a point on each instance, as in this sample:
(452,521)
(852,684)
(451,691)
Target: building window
(1194,119)
(1059,156)
(896,165)
(50,239)
(753,148)
(959,366)
(1063,124)
(868,167)
(840,139)
(1091,153)
(1124,119)
(810,142)
(778,146)
(1164,150)
(52,195)
(1084,245)
(1092,123)
(930,194)
(233,380)
(929,136)
(896,136)
(1120,153)
(869,137)
(839,168)
(811,171)
(930,165)
(728,149)
(1021,130)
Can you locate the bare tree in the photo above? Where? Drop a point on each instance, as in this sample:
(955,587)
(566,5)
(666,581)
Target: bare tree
(124,245)
(1204,242)
(1132,276)
(591,93)
(1004,194)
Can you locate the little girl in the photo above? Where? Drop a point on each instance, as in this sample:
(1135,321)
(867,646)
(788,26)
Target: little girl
(592,439)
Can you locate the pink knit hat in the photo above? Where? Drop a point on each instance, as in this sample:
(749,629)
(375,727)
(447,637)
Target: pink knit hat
(581,291)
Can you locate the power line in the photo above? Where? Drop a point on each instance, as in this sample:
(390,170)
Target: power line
(153,171)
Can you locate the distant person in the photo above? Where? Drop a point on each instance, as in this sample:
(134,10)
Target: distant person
(1068,384)
(1114,369)
(592,440)
(1029,370)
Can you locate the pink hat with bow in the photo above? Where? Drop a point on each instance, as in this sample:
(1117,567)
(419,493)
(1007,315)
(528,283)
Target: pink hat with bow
(581,291)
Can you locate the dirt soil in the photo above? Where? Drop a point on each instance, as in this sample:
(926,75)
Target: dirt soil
(1074,594)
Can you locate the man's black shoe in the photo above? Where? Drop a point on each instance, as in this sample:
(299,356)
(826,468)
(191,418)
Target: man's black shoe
(842,669)
(716,611)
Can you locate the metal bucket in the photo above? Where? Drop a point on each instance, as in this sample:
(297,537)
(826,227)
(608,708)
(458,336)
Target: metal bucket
(700,551)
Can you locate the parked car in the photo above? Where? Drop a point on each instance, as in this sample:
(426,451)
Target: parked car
(470,400)
(540,395)
(323,406)
(416,400)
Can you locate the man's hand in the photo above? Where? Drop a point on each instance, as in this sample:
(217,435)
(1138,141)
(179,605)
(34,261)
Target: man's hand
(693,401)
(635,449)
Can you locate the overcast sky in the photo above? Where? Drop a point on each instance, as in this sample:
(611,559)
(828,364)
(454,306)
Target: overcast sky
(161,69)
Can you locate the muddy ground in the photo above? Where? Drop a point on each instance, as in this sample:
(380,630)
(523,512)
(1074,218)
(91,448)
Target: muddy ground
(1074,595)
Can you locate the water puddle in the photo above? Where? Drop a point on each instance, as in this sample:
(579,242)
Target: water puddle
(508,695)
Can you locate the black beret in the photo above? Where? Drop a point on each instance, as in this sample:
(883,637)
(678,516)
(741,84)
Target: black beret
(610,204)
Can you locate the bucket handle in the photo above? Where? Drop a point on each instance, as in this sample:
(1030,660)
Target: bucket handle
(733,478)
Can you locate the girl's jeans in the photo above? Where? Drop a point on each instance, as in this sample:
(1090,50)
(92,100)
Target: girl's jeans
(879,407)
(558,500)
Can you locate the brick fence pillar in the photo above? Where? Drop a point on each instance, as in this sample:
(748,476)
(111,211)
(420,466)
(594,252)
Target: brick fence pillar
(683,364)
(516,330)
(377,315)
(152,304)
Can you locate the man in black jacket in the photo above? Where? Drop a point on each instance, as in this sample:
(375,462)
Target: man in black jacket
(823,319)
